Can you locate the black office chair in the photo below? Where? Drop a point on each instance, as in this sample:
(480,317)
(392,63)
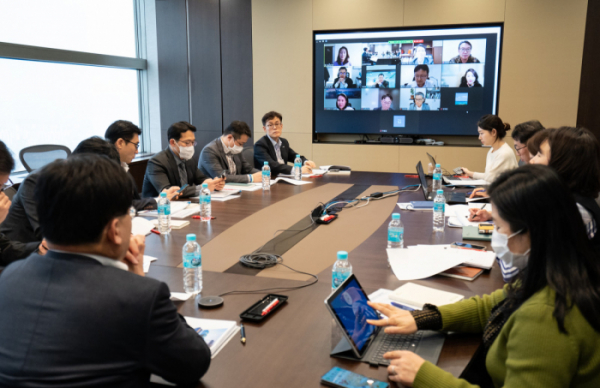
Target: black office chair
(36,157)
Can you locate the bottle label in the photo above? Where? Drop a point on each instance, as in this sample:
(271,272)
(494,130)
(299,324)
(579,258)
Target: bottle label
(439,207)
(394,235)
(338,278)
(164,210)
(266,173)
(298,165)
(205,199)
(437,176)
(192,260)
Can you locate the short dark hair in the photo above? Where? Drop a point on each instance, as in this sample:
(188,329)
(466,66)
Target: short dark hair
(422,67)
(421,93)
(575,156)
(175,130)
(387,95)
(524,131)
(270,116)
(77,197)
(467,42)
(237,129)
(534,143)
(490,122)
(96,145)
(380,74)
(121,129)
(7,163)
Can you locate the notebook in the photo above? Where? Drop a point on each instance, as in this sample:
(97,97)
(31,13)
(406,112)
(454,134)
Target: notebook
(416,296)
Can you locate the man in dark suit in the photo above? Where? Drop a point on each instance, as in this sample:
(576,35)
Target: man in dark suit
(224,154)
(125,136)
(276,150)
(174,165)
(88,316)
(11,250)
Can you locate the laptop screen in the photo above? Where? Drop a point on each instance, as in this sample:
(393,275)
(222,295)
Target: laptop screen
(422,178)
(352,311)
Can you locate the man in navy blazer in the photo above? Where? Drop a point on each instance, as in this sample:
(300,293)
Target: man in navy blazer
(276,150)
(84,315)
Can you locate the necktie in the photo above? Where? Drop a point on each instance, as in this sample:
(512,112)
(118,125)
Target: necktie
(182,174)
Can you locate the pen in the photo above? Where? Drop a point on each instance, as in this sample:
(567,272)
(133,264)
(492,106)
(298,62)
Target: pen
(267,309)
(473,215)
(155,231)
(243,333)
(401,306)
(198,218)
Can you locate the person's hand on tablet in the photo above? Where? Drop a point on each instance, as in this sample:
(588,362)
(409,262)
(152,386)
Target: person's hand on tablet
(399,321)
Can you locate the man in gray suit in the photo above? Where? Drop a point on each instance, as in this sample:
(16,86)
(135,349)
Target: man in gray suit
(419,103)
(224,155)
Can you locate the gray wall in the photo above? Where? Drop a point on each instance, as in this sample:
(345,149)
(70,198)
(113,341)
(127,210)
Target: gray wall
(203,62)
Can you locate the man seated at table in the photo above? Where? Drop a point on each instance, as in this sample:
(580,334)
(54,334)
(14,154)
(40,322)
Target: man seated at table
(174,165)
(11,250)
(89,317)
(276,150)
(224,154)
(125,136)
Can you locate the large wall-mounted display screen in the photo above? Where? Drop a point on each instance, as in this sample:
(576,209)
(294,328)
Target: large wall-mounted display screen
(426,81)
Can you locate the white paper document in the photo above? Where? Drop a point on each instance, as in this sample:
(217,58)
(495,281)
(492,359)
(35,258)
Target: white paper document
(181,296)
(147,261)
(416,296)
(175,224)
(472,182)
(290,181)
(459,214)
(140,225)
(179,209)
(471,258)
(244,186)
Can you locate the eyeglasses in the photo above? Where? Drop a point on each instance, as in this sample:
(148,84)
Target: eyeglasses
(6,185)
(342,73)
(520,148)
(419,99)
(137,145)
(275,125)
(464,50)
(189,143)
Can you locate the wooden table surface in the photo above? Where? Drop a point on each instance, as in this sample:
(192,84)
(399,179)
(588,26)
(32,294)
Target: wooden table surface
(291,348)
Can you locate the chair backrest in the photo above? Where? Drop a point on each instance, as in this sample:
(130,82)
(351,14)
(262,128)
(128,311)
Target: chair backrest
(36,157)
(248,155)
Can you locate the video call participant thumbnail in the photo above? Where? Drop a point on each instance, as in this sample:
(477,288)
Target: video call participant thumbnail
(421,78)
(343,58)
(419,103)
(342,102)
(174,165)
(276,150)
(386,102)
(381,83)
(420,56)
(470,79)
(464,54)
(343,80)
(90,317)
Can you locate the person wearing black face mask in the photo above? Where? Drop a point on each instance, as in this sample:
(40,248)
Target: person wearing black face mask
(224,155)
(540,330)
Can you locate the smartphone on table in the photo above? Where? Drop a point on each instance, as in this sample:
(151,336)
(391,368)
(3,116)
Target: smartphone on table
(462,245)
(342,378)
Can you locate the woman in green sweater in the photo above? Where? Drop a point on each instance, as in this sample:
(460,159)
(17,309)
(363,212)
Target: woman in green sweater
(541,330)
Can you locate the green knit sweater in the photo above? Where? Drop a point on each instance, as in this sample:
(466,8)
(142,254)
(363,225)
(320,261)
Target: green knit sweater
(529,351)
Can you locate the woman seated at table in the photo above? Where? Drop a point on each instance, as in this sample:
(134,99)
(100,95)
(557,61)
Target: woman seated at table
(501,157)
(542,329)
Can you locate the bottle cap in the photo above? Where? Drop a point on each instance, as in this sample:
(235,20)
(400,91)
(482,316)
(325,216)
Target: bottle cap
(437,165)
(297,155)
(440,191)
(204,185)
(342,255)
(266,163)
(395,216)
(190,237)
(163,195)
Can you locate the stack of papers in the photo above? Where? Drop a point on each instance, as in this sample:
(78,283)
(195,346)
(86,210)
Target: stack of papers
(423,261)
(140,225)
(243,186)
(291,181)
(416,296)
(469,182)
(459,214)
(175,224)
(179,209)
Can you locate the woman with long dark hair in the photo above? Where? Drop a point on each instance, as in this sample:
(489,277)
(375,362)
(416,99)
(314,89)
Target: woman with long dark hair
(542,329)
(343,58)
(470,79)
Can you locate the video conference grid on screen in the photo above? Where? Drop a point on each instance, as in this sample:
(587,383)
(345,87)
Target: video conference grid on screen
(433,81)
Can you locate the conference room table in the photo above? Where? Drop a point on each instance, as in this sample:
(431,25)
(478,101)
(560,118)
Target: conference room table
(291,348)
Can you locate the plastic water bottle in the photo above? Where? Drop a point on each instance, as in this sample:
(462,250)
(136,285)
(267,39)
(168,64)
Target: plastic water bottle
(266,177)
(396,232)
(341,270)
(298,168)
(439,208)
(430,169)
(205,203)
(164,214)
(437,178)
(192,265)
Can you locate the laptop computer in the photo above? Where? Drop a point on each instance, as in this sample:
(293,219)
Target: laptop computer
(451,197)
(367,343)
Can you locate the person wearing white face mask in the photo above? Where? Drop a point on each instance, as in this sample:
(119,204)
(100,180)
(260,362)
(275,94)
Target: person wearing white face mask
(224,155)
(174,166)
(542,329)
